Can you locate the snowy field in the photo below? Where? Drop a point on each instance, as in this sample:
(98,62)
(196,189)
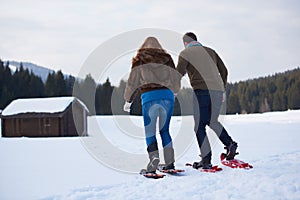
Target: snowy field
(80,168)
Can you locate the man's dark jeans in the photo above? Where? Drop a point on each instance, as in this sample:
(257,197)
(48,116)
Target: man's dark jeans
(207,105)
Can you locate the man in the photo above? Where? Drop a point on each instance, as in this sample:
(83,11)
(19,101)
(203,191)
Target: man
(208,77)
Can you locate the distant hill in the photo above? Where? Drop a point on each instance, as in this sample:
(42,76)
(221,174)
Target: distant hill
(40,71)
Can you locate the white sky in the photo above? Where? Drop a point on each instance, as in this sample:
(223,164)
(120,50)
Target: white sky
(254,38)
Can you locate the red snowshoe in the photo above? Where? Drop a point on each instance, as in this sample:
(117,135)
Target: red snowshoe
(234,163)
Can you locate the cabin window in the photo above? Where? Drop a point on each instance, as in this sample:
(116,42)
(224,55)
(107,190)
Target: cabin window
(47,125)
(47,122)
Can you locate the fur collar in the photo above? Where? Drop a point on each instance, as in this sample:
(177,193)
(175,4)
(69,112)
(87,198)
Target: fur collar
(150,55)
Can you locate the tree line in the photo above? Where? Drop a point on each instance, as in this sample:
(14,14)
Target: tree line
(24,84)
(273,93)
(101,99)
(278,92)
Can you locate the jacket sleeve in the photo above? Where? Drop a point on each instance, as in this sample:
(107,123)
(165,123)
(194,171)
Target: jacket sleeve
(222,69)
(175,77)
(132,85)
(182,64)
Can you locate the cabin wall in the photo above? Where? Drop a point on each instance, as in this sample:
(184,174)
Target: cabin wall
(71,122)
(76,120)
(31,127)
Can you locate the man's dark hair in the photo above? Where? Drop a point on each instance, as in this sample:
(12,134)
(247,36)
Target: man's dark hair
(189,37)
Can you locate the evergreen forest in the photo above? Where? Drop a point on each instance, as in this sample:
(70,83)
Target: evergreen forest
(277,92)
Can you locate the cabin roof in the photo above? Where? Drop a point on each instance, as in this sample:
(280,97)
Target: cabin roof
(40,105)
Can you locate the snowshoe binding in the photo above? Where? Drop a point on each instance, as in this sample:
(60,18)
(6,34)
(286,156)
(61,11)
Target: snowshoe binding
(169,169)
(204,168)
(153,175)
(228,159)
(231,151)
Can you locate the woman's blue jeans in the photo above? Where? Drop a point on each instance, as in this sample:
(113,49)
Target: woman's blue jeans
(161,109)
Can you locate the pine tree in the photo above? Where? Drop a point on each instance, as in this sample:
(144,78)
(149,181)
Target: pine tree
(107,91)
(36,86)
(2,84)
(117,99)
(294,95)
(86,91)
(233,104)
(60,84)
(265,107)
(70,81)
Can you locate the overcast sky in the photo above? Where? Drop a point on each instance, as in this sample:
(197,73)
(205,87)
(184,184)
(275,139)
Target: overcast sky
(254,38)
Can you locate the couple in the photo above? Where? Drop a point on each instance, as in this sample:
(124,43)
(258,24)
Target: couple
(153,73)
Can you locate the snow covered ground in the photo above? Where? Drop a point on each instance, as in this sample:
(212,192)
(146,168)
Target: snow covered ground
(80,168)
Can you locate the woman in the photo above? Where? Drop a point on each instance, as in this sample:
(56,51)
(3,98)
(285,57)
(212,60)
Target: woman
(153,73)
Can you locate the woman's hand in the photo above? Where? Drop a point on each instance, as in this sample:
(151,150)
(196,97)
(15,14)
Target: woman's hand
(127,106)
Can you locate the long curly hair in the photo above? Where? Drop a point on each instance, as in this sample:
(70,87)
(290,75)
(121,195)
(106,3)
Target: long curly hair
(150,43)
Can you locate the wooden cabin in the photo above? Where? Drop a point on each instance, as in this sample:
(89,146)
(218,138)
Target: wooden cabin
(45,117)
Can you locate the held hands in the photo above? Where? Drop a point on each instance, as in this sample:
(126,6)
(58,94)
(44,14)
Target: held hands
(127,106)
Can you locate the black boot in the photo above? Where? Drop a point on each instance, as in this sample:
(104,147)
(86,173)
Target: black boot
(153,157)
(169,158)
(205,163)
(231,150)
